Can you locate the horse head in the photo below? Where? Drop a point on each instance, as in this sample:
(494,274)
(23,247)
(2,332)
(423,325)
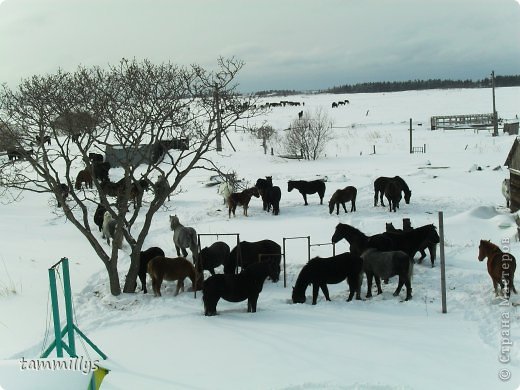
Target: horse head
(298,296)
(332,203)
(407,196)
(483,249)
(290,185)
(174,222)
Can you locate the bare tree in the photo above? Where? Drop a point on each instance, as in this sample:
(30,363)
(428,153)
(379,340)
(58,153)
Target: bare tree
(136,107)
(308,136)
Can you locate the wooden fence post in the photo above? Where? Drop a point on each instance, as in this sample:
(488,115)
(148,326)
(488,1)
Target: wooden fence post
(443,267)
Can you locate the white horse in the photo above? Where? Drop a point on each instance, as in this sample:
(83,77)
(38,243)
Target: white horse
(506,190)
(184,237)
(109,228)
(225,189)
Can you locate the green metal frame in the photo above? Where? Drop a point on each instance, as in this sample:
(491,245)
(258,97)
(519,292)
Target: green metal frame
(69,327)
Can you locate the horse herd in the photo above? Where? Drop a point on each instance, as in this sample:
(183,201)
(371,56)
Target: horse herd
(391,187)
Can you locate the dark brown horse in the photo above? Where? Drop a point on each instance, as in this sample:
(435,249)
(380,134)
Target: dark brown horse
(307,188)
(501,266)
(241,199)
(164,268)
(83,176)
(393,195)
(380,185)
(347,194)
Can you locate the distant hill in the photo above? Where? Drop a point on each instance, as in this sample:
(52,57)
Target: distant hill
(394,86)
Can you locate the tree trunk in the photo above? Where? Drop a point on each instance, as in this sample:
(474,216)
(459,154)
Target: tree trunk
(113,276)
(131,276)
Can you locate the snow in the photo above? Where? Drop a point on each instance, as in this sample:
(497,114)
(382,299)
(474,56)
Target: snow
(381,343)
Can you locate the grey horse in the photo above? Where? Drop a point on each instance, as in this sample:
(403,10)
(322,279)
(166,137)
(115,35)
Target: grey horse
(184,237)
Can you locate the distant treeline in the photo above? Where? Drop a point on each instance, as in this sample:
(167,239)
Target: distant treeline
(393,86)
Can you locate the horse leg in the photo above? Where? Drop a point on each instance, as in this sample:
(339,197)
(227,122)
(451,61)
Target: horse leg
(353,206)
(142,278)
(378,284)
(382,203)
(352,288)
(184,252)
(408,285)
(305,199)
(370,275)
(251,303)
(325,290)
(344,207)
(180,286)
(375,199)
(178,250)
(315,289)
(337,208)
(399,286)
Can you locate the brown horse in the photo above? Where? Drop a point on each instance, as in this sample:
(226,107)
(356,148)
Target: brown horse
(501,266)
(347,194)
(241,199)
(164,268)
(83,176)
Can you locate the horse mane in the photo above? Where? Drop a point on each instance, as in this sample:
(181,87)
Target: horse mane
(345,228)
(490,246)
(403,184)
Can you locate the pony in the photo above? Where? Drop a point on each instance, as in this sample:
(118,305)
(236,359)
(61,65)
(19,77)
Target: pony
(393,195)
(162,187)
(506,190)
(358,240)
(109,229)
(262,185)
(99,216)
(63,191)
(307,187)
(83,176)
(184,237)
(380,185)
(430,245)
(347,194)
(165,268)
(95,157)
(329,270)
(100,171)
(43,140)
(241,199)
(144,259)
(413,240)
(237,288)
(213,256)
(225,189)
(383,265)
(247,253)
(271,197)
(501,266)
(134,193)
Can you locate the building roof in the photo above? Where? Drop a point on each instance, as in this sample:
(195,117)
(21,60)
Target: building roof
(512,152)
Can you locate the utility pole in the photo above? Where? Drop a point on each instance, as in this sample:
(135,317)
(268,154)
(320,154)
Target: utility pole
(411,145)
(495,118)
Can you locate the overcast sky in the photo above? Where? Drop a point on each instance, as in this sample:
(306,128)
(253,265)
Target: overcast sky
(285,44)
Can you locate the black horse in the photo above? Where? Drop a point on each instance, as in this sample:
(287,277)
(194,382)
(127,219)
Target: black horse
(144,259)
(340,197)
(213,256)
(383,265)
(380,185)
(413,240)
(262,185)
(307,188)
(329,270)
(98,216)
(236,288)
(393,194)
(247,253)
(271,197)
(359,241)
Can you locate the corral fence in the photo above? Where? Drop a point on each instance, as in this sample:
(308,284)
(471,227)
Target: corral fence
(466,121)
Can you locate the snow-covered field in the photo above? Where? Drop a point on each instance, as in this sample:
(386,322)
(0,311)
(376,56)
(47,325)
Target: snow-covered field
(381,343)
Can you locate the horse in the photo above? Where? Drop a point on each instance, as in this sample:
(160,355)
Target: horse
(241,199)
(380,184)
(43,140)
(63,190)
(358,240)
(238,287)
(329,270)
(135,192)
(99,215)
(165,268)
(501,266)
(271,197)
(430,245)
(83,176)
(100,170)
(347,194)
(184,237)
(109,229)
(247,253)
(412,241)
(382,265)
(213,256)
(144,259)
(95,157)
(262,185)
(307,187)
(300,114)
(506,190)
(162,187)
(225,189)
(393,195)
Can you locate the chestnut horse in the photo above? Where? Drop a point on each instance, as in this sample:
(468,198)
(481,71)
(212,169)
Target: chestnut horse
(347,194)
(501,266)
(83,176)
(164,268)
(241,199)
